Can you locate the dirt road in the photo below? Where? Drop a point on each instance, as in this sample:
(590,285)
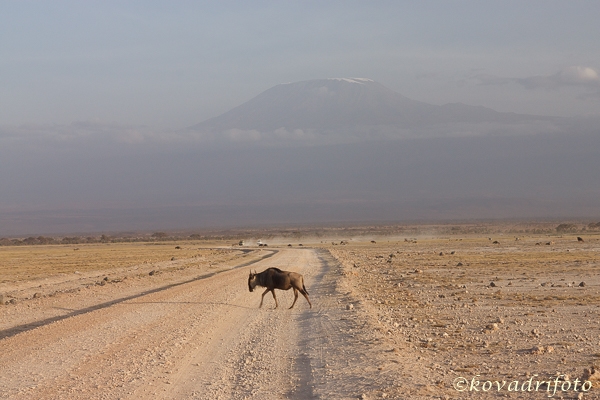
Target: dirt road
(200,339)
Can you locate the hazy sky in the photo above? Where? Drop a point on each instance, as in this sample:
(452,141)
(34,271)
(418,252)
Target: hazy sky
(169,65)
(94,96)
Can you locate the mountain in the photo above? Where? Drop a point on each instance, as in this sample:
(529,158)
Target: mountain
(342,103)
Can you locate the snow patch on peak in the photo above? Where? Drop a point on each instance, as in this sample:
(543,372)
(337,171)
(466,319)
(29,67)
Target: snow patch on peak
(360,81)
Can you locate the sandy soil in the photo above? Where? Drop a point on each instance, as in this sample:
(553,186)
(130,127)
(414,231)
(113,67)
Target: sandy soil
(173,336)
(393,319)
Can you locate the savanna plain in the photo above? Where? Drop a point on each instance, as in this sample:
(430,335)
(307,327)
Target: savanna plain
(481,311)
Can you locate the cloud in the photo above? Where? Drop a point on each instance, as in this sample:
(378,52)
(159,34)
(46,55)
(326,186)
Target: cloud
(586,77)
(486,79)
(569,76)
(578,76)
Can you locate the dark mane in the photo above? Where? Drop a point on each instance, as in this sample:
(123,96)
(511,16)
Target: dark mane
(276,269)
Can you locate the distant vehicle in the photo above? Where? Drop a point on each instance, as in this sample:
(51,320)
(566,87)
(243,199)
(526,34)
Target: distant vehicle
(241,243)
(260,243)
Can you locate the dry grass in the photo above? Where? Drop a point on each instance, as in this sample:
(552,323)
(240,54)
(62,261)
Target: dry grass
(23,263)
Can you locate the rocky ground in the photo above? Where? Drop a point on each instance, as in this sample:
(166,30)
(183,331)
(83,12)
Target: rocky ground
(493,309)
(424,317)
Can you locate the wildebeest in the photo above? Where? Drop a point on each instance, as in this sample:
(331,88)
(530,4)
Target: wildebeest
(274,278)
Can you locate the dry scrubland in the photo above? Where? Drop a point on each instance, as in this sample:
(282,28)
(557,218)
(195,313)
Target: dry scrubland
(30,276)
(502,307)
(418,309)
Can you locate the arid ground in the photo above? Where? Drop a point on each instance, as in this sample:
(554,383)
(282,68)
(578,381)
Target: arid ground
(448,313)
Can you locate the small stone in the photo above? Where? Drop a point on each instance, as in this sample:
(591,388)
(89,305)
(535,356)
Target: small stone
(538,350)
(349,306)
(582,284)
(492,284)
(151,273)
(591,374)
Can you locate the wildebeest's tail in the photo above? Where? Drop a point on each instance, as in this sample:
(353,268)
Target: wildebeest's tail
(304,287)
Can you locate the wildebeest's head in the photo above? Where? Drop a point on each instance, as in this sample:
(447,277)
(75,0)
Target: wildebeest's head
(251,283)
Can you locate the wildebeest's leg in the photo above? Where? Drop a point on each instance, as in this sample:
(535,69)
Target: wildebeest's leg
(295,297)
(263,297)
(276,304)
(305,294)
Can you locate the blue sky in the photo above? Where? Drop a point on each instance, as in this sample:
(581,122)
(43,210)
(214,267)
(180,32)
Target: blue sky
(169,65)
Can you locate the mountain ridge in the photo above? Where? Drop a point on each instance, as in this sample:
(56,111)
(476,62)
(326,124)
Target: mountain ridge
(341,103)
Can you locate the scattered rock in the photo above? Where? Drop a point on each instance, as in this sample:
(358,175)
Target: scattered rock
(579,239)
(36,295)
(349,306)
(151,273)
(591,374)
(582,284)
(538,350)
(459,264)
(492,284)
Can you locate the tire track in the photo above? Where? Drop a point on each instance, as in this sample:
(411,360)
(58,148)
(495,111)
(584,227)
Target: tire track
(36,324)
(187,341)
